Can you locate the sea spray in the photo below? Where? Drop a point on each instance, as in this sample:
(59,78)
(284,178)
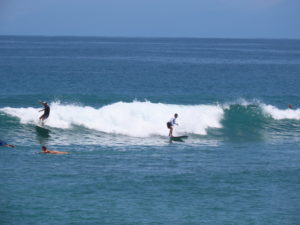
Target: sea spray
(280,114)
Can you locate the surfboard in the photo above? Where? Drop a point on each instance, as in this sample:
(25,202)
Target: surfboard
(41,126)
(178,138)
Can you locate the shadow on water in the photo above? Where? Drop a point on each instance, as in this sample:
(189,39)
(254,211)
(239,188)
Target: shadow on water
(42,135)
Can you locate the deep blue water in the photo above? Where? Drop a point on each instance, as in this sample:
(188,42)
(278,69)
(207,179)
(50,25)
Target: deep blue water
(110,99)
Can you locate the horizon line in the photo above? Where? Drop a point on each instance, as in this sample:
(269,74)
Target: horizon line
(145,37)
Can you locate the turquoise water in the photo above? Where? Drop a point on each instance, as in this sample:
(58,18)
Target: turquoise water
(110,99)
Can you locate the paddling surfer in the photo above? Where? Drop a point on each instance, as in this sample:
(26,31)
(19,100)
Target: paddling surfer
(47,151)
(46,111)
(171,123)
(4,144)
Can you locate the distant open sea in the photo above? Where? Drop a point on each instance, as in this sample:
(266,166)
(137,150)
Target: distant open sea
(110,99)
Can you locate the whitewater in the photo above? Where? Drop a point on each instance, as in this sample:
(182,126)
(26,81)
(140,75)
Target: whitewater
(143,119)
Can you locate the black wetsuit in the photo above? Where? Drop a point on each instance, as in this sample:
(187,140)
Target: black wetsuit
(46,112)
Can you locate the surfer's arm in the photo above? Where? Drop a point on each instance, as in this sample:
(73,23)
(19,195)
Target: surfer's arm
(42,103)
(174,122)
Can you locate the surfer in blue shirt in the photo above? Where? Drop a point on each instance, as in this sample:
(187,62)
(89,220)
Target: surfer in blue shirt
(46,111)
(171,123)
(4,144)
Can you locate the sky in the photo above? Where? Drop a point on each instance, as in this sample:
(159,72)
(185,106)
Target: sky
(152,18)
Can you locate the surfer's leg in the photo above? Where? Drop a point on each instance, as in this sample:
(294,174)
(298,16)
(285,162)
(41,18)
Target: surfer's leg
(171,131)
(169,125)
(42,118)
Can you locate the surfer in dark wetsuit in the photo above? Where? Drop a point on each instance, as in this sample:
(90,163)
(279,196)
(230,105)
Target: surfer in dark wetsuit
(171,123)
(46,111)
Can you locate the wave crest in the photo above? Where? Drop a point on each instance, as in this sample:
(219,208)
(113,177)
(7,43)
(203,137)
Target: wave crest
(138,119)
(143,119)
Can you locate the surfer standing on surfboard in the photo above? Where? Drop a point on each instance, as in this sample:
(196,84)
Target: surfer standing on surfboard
(46,111)
(171,123)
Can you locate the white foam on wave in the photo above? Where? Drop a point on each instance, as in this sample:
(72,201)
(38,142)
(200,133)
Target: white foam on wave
(242,102)
(138,119)
(280,114)
(268,110)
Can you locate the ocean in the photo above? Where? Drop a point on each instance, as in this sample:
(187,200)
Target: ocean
(110,99)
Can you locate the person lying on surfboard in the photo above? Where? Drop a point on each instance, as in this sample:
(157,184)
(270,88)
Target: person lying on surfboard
(46,111)
(47,151)
(171,123)
(4,144)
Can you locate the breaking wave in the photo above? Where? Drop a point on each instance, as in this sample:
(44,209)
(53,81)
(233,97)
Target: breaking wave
(143,119)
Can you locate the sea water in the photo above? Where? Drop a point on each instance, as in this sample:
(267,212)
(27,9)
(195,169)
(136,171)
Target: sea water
(110,99)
